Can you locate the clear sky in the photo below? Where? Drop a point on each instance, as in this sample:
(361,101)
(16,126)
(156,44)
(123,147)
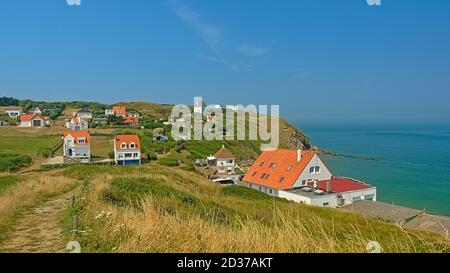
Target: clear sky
(321,60)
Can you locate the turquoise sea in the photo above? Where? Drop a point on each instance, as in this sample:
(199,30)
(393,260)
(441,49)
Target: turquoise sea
(411,166)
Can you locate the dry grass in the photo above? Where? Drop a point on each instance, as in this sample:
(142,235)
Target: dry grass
(160,223)
(32,189)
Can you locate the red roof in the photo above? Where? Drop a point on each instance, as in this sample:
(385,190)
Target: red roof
(128,139)
(131,120)
(27,117)
(120,110)
(79,134)
(340,185)
(278,169)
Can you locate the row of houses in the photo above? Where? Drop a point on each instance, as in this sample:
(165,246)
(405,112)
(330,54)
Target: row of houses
(77,148)
(129,118)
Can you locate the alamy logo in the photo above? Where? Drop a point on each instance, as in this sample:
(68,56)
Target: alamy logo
(73,2)
(233,122)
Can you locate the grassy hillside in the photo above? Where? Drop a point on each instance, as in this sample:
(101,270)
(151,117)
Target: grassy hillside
(161,209)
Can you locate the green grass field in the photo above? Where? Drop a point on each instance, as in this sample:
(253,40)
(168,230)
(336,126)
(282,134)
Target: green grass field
(26,145)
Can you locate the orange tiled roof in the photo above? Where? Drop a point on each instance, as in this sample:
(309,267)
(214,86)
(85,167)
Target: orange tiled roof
(79,134)
(119,110)
(278,169)
(128,139)
(27,117)
(131,120)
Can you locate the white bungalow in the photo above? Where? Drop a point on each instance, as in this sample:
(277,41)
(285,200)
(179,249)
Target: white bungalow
(33,120)
(14,112)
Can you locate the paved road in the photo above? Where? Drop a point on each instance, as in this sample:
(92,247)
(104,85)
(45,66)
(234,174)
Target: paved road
(406,217)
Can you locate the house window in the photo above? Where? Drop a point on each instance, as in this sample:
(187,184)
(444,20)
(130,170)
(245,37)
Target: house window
(135,155)
(128,155)
(132,145)
(289,168)
(369,197)
(326,204)
(263,175)
(281,179)
(120,155)
(254,174)
(261,164)
(304,183)
(267,176)
(270,191)
(356,198)
(123,145)
(314,169)
(230,161)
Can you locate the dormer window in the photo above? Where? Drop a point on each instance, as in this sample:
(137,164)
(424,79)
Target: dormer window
(132,145)
(81,140)
(261,164)
(123,145)
(289,168)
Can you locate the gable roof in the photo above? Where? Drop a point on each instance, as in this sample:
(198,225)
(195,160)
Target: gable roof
(223,153)
(79,134)
(128,139)
(76,120)
(130,120)
(119,110)
(84,110)
(278,169)
(28,117)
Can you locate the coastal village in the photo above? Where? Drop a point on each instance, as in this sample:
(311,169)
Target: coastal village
(115,155)
(296,175)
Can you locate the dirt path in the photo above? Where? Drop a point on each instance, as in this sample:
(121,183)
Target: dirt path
(39,230)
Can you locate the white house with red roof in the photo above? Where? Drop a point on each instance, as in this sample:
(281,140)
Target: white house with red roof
(77,123)
(33,120)
(77,146)
(127,150)
(301,176)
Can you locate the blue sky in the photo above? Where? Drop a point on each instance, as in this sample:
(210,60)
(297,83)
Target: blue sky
(323,61)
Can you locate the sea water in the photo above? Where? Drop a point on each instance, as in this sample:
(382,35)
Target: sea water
(410,166)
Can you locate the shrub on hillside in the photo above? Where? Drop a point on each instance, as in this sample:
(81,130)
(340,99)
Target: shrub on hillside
(12,162)
(169,161)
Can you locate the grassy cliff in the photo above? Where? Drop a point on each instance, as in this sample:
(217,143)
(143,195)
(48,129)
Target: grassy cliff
(161,209)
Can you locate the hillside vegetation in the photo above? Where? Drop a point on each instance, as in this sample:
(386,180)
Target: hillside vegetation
(161,209)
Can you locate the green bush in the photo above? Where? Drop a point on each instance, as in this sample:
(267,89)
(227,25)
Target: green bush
(169,161)
(12,162)
(152,156)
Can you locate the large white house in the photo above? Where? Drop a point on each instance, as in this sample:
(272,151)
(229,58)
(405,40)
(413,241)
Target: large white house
(76,123)
(33,120)
(223,162)
(127,150)
(77,146)
(301,176)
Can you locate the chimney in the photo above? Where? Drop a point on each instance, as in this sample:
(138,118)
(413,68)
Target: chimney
(329,189)
(299,155)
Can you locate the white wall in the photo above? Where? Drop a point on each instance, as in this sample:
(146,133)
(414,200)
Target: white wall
(324,174)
